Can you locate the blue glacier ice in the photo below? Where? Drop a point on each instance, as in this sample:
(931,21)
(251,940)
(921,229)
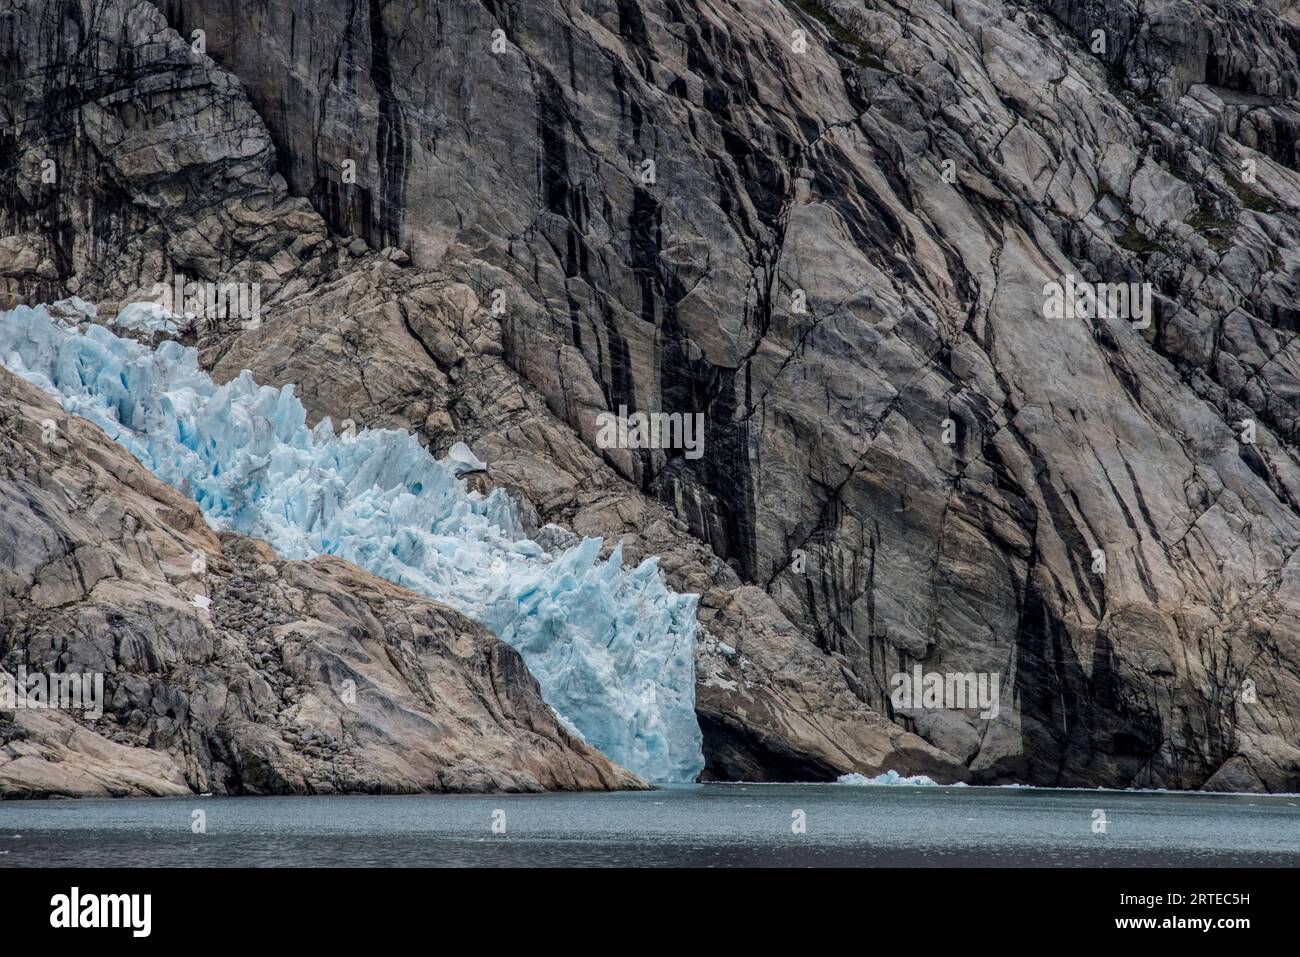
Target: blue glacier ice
(613,648)
(147,317)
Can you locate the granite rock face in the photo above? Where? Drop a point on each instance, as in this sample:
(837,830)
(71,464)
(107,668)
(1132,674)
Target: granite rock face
(825,225)
(293,677)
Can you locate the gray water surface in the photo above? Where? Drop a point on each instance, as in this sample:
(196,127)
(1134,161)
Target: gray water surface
(687,825)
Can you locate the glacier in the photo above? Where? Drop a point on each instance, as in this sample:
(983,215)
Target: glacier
(613,648)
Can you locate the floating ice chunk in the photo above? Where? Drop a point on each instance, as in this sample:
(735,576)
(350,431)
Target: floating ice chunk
(612,647)
(888,778)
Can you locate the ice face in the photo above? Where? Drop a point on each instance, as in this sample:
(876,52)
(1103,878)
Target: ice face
(612,648)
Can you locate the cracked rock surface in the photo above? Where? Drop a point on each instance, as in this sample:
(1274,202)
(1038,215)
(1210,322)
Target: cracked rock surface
(839,245)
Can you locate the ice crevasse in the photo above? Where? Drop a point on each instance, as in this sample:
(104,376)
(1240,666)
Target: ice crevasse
(612,647)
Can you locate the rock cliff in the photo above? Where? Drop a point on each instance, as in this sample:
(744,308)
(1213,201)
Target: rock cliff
(826,225)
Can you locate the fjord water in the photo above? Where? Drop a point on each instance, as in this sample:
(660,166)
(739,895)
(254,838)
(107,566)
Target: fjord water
(692,825)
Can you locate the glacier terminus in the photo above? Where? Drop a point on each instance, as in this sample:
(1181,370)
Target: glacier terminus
(612,648)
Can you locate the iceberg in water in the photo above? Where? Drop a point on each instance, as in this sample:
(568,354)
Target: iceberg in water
(613,648)
(890,777)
